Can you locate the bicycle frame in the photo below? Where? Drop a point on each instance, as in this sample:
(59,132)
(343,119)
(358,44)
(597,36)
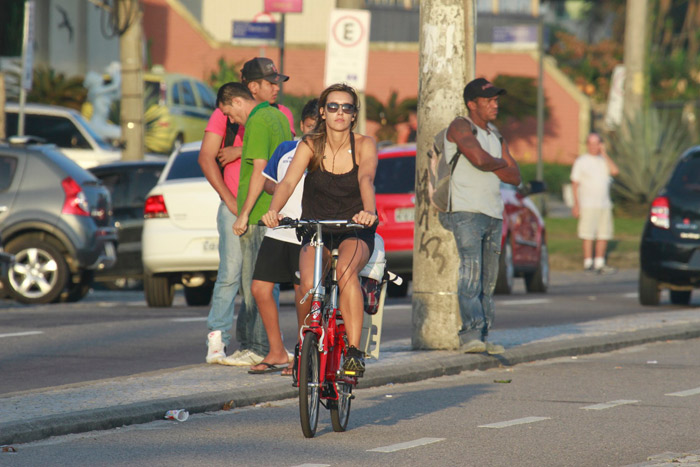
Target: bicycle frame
(322,343)
(326,323)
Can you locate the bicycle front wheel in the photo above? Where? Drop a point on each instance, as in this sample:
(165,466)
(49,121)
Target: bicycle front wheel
(309,385)
(340,409)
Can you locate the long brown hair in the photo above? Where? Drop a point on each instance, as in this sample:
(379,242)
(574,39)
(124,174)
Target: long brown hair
(316,140)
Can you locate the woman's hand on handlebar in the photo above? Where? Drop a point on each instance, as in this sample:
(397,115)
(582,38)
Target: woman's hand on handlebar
(365,218)
(271,218)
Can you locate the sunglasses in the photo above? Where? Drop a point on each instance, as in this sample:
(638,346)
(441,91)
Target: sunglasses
(332,107)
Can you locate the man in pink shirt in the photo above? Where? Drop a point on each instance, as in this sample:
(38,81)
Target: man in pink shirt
(220,160)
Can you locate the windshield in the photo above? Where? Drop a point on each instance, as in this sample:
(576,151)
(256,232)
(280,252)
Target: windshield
(686,177)
(395,175)
(98,139)
(185,165)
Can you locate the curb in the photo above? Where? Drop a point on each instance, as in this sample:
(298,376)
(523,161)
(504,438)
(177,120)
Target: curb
(441,364)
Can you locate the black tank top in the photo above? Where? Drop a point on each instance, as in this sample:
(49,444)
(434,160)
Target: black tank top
(332,196)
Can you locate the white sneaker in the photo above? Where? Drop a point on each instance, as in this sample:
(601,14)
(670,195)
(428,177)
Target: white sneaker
(215,351)
(245,358)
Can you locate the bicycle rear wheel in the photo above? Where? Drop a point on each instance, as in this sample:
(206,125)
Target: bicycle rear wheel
(309,385)
(340,409)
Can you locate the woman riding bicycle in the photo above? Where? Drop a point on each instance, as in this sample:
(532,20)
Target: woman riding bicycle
(339,184)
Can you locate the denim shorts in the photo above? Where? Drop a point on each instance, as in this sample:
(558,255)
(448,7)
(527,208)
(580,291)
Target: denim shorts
(332,240)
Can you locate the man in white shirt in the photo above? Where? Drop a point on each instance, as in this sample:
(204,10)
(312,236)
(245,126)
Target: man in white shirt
(476,215)
(590,179)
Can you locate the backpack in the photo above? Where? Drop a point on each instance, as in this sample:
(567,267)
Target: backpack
(442,166)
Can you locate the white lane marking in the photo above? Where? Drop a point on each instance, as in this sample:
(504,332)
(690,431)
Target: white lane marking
(608,405)
(188,320)
(689,392)
(631,295)
(398,307)
(313,465)
(406,445)
(517,421)
(21,334)
(530,301)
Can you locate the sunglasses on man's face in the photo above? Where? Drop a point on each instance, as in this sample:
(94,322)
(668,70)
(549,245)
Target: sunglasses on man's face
(332,107)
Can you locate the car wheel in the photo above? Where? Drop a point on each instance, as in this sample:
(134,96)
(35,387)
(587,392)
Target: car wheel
(506,272)
(78,291)
(159,291)
(649,291)
(538,281)
(394,290)
(680,297)
(199,296)
(40,272)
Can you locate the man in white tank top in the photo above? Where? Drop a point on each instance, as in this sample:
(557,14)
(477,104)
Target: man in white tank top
(476,217)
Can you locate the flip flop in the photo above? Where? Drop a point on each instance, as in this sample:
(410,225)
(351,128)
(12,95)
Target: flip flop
(270,369)
(290,369)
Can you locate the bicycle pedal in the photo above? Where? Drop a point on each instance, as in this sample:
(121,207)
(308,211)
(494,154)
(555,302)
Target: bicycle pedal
(352,373)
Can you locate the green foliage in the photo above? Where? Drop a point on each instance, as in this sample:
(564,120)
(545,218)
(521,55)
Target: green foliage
(672,52)
(389,114)
(645,149)
(50,87)
(555,175)
(227,73)
(673,80)
(296,105)
(521,100)
(590,66)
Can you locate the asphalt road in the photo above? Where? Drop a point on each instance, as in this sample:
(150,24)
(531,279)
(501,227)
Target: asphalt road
(636,406)
(113,334)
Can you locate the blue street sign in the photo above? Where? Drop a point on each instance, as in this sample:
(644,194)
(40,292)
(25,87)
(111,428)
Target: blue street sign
(252,30)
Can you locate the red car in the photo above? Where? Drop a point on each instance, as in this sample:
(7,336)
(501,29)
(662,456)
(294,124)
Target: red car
(524,248)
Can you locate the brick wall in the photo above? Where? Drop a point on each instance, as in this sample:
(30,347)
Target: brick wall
(182,47)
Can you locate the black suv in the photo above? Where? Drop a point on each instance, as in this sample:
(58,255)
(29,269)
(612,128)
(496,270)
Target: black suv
(670,247)
(55,219)
(128,182)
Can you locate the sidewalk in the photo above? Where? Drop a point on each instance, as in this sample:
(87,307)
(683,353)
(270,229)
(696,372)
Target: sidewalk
(99,405)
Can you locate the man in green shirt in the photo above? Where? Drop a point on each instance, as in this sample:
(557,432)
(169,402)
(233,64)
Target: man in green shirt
(265,128)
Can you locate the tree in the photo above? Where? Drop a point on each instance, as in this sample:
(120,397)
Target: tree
(388,115)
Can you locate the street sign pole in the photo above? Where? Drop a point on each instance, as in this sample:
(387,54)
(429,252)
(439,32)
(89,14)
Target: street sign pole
(27,62)
(280,38)
(347,53)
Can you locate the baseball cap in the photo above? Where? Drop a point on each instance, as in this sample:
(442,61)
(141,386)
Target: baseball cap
(262,68)
(481,87)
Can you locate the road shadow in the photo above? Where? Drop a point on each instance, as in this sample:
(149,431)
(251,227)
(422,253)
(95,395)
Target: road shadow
(390,408)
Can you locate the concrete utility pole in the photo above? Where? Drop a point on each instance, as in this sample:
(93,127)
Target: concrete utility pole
(635,57)
(446,64)
(130,46)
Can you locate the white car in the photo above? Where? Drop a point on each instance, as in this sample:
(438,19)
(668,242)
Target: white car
(64,127)
(180,241)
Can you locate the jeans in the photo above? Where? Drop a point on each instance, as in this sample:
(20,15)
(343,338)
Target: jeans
(228,279)
(478,239)
(250,330)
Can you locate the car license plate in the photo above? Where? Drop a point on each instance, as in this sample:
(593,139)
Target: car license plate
(404,214)
(210,245)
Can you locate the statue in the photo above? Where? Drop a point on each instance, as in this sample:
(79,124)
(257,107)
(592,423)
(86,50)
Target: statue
(100,94)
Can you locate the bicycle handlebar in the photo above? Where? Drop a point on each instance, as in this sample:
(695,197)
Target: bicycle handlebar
(288,223)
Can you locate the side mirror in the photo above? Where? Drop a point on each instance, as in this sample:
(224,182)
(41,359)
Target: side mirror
(532,188)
